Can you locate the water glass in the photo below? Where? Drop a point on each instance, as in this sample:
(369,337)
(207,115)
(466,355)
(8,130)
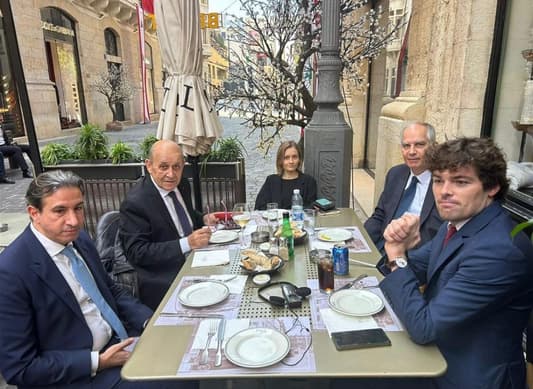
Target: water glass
(310,221)
(272,215)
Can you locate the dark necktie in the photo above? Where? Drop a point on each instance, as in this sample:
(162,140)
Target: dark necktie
(88,284)
(451,231)
(407,198)
(182,215)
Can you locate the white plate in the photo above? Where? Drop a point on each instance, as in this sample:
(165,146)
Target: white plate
(203,294)
(353,302)
(223,236)
(257,347)
(334,235)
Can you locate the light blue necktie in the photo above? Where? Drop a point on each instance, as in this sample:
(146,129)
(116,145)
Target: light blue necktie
(407,198)
(86,280)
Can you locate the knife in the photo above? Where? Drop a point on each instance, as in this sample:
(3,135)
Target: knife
(352,283)
(220,339)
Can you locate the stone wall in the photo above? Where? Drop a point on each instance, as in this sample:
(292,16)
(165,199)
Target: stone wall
(90,26)
(449,49)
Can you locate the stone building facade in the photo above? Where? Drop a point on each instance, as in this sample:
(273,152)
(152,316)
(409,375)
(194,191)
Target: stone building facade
(465,75)
(65,45)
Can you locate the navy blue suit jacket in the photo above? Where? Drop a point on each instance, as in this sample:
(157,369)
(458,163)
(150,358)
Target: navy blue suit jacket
(44,338)
(476,303)
(151,240)
(395,182)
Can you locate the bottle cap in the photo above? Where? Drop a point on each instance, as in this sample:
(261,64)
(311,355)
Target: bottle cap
(296,191)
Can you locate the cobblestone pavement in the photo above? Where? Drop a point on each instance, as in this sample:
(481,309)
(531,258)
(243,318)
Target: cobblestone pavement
(258,166)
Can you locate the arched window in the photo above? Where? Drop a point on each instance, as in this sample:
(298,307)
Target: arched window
(111,42)
(114,60)
(59,31)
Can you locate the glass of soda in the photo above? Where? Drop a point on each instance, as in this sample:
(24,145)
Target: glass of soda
(326,282)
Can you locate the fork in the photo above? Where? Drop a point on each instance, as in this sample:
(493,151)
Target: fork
(211,332)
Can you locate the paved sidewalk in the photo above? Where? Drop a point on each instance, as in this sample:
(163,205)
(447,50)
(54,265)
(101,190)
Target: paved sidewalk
(258,166)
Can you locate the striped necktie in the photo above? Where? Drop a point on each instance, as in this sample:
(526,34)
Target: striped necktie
(182,215)
(87,282)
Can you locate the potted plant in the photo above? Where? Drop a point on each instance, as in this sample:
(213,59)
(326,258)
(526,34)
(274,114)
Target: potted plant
(116,88)
(91,153)
(121,153)
(53,153)
(92,143)
(222,173)
(226,159)
(146,145)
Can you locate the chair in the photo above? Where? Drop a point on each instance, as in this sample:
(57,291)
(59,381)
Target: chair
(112,254)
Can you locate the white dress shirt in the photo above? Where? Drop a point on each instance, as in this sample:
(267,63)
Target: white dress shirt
(184,242)
(101,331)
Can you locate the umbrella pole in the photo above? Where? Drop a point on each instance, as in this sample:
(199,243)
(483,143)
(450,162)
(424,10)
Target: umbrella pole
(196,183)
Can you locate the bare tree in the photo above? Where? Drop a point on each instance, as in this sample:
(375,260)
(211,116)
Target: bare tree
(272,49)
(114,85)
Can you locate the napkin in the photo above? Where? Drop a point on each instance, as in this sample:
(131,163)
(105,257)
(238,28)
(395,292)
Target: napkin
(336,322)
(235,285)
(210,258)
(232,327)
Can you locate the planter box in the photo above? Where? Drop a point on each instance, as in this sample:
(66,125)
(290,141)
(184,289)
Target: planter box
(107,184)
(95,170)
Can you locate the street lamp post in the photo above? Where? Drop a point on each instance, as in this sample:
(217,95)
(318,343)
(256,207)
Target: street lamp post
(328,138)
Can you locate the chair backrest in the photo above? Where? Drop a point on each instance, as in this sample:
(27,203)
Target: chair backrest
(112,254)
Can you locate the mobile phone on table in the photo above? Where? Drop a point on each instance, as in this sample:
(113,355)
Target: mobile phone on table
(373,337)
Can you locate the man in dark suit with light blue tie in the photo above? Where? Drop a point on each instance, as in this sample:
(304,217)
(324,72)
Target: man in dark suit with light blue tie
(63,322)
(478,276)
(407,188)
(158,224)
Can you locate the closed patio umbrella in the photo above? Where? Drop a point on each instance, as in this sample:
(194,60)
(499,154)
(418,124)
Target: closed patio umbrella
(187,115)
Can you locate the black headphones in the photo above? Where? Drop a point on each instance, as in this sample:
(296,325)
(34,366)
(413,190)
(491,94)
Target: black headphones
(291,296)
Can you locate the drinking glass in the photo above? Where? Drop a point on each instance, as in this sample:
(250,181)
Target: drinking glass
(309,221)
(241,215)
(272,216)
(326,280)
(213,225)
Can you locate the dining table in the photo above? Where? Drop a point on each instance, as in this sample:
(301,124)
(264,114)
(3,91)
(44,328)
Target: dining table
(170,347)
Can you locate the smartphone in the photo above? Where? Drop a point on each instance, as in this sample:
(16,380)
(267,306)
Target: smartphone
(373,337)
(324,204)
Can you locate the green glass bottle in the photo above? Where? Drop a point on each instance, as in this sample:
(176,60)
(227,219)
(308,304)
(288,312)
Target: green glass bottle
(286,232)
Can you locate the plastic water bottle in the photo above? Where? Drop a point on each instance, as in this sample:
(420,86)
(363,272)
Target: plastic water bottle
(297,208)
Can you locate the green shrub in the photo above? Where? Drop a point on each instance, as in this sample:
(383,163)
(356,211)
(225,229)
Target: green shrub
(121,152)
(91,143)
(146,144)
(52,153)
(226,150)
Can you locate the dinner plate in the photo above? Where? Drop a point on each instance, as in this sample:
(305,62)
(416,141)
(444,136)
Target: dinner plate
(334,235)
(257,347)
(203,294)
(353,302)
(223,236)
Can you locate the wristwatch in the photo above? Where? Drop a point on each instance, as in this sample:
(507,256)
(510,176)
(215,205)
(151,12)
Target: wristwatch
(401,262)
